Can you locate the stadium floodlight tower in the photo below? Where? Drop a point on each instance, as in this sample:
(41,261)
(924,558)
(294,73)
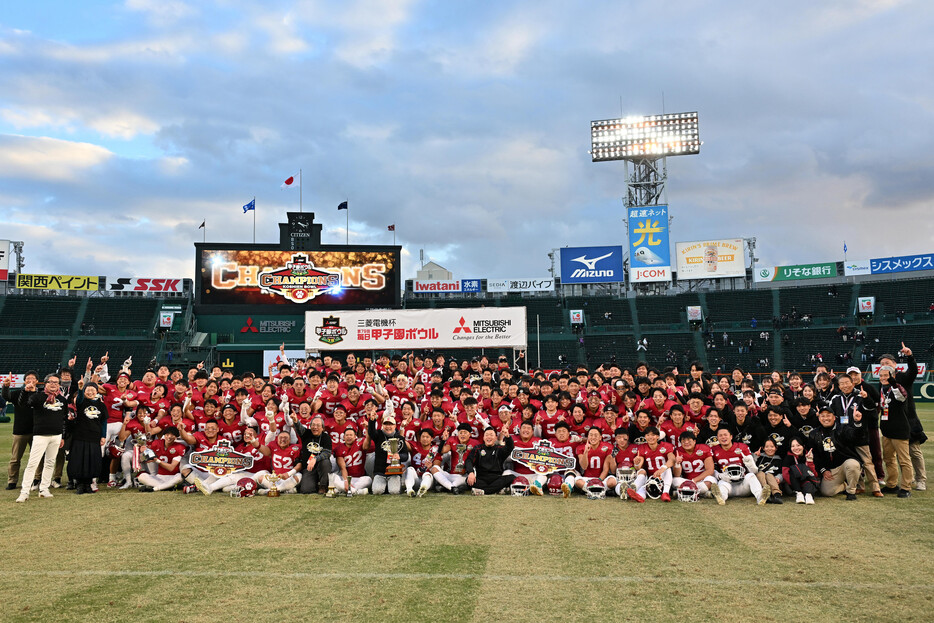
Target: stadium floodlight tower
(645,143)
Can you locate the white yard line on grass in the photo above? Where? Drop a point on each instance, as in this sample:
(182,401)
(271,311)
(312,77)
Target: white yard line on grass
(621,579)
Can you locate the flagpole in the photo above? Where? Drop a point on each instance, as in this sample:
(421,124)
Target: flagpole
(299,190)
(204,237)
(254,219)
(348,221)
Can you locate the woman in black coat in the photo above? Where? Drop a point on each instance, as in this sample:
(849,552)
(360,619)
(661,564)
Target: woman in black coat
(89,433)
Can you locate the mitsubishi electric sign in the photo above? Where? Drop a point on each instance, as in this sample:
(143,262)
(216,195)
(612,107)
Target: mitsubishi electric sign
(591,264)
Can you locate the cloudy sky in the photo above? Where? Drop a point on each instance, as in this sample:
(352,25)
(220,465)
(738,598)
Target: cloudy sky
(123,125)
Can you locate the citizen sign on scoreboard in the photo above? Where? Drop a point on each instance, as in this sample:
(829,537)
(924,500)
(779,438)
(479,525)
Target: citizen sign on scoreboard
(248,277)
(499,327)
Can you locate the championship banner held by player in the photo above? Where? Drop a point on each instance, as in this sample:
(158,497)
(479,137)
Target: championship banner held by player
(497,327)
(58,282)
(543,458)
(221,460)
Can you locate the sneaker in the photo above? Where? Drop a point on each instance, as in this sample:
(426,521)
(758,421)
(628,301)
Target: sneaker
(111,484)
(126,485)
(717,494)
(534,489)
(763,496)
(189,489)
(94,487)
(71,485)
(902,493)
(22,497)
(410,493)
(145,489)
(632,495)
(10,486)
(666,497)
(887,489)
(56,484)
(455,491)
(921,486)
(421,491)
(476,491)
(799,498)
(777,499)
(565,490)
(808,498)
(361,492)
(45,494)
(850,497)
(200,486)
(35,485)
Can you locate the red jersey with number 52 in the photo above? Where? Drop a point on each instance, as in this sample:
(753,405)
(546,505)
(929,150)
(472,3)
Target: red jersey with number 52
(283,459)
(655,459)
(692,463)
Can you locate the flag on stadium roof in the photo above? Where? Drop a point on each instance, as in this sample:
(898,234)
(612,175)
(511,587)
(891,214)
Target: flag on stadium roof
(293,181)
(249,206)
(392,227)
(201,226)
(342,206)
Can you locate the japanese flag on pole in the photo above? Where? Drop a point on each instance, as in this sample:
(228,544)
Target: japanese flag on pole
(291,182)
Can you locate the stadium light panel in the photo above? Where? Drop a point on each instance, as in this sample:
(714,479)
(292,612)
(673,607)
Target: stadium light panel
(653,136)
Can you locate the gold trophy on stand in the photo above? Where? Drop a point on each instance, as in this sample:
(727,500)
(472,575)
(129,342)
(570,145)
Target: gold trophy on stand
(273,479)
(391,446)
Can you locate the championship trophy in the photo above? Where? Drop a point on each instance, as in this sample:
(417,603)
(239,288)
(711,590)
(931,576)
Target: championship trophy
(273,479)
(461,458)
(394,467)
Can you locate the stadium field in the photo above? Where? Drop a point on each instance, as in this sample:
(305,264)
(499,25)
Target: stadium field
(119,556)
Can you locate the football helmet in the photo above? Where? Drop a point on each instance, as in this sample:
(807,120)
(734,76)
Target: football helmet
(654,487)
(626,476)
(115,449)
(688,491)
(246,488)
(734,473)
(596,490)
(554,484)
(519,486)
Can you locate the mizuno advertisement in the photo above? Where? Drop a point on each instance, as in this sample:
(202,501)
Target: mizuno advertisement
(591,264)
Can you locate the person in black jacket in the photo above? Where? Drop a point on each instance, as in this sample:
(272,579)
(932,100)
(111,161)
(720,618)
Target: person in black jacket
(835,456)
(748,429)
(486,463)
(380,440)
(895,429)
(49,409)
(875,439)
(798,475)
(88,428)
(844,404)
(916,435)
(22,424)
(315,457)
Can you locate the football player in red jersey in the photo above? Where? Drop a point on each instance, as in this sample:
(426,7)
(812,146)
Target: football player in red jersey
(285,465)
(199,442)
(458,448)
(336,425)
(354,404)
(400,391)
(120,399)
(736,470)
(229,426)
(133,430)
(658,405)
(694,461)
(594,456)
(350,457)
(169,453)
(550,415)
(697,410)
(580,423)
(328,396)
(250,445)
(422,454)
(472,417)
(676,424)
(655,459)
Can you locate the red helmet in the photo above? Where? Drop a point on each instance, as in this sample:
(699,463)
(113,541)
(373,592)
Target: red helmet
(596,490)
(688,491)
(115,449)
(554,484)
(519,486)
(246,488)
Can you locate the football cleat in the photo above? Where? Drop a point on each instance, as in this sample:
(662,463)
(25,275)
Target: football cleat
(654,488)
(687,491)
(595,489)
(535,489)
(45,494)
(200,486)
(520,486)
(565,490)
(409,492)
(632,495)
(717,494)
(476,491)
(421,491)
(764,496)
(666,497)
(22,497)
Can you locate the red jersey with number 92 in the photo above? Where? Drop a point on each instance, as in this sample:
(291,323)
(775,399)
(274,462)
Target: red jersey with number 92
(692,463)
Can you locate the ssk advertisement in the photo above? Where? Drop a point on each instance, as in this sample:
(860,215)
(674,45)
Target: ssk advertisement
(311,278)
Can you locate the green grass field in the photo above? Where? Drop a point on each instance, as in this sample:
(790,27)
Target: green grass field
(119,556)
